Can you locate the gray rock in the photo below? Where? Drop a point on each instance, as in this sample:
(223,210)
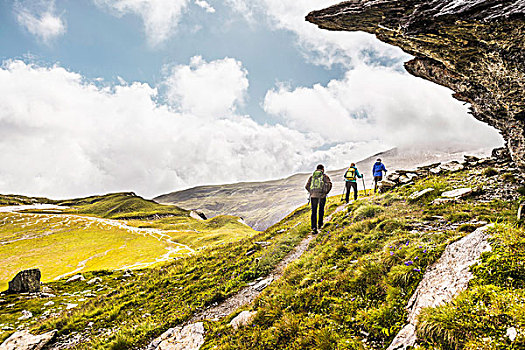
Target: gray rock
(94,280)
(26,315)
(198,215)
(27,281)
(394,177)
(420,194)
(457,193)
(452,166)
(190,337)
(436,170)
(75,278)
(442,281)
(243,319)
(430,166)
(24,340)
(263,284)
(386,185)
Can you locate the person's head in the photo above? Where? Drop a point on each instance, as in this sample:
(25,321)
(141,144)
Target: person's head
(353,164)
(320,167)
(379,160)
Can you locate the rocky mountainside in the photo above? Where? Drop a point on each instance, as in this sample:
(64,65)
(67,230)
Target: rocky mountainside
(262,204)
(474,47)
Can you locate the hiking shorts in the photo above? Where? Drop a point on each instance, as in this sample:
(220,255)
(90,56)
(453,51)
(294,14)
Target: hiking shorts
(378,178)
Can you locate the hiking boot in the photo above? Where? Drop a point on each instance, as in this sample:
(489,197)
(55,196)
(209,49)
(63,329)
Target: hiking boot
(314,231)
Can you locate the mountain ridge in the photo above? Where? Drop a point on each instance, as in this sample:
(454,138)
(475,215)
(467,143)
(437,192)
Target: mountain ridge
(264,203)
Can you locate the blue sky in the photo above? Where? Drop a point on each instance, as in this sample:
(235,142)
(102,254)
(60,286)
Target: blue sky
(152,96)
(99,45)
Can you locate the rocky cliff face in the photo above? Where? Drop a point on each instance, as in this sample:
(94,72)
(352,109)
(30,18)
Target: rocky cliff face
(474,47)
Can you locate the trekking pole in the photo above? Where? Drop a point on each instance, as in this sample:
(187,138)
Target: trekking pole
(364,187)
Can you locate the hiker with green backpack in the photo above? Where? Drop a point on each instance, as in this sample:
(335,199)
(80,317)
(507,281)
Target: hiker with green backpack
(318,186)
(351,176)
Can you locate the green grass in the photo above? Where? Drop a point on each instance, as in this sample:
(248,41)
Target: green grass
(75,241)
(348,291)
(12,199)
(480,317)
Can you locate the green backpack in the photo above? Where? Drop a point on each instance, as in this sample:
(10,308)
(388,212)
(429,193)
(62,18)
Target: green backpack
(350,174)
(317,181)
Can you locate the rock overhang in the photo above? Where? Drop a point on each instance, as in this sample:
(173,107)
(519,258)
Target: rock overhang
(474,47)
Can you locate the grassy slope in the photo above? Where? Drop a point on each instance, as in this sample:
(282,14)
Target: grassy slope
(481,317)
(33,238)
(349,291)
(143,307)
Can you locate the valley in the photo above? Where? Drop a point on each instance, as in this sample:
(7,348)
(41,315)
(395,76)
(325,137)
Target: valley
(87,234)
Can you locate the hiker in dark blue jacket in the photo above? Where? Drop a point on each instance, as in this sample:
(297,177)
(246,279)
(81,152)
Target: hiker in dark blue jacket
(377,171)
(351,176)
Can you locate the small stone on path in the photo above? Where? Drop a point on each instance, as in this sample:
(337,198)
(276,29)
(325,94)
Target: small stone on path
(243,319)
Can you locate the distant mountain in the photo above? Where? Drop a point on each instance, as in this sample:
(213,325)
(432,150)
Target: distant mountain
(262,204)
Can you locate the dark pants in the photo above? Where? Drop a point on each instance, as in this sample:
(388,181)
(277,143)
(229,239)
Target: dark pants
(317,202)
(351,185)
(376,180)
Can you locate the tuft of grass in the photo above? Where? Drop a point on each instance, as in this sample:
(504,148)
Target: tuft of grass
(508,177)
(367,211)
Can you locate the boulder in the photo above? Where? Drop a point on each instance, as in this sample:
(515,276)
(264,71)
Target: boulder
(94,280)
(436,171)
(386,185)
(190,337)
(452,166)
(24,340)
(27,281)
(500,153)
(471,159)
(420,194)
(457,193)
(75,278)
(243,319)
(393,177)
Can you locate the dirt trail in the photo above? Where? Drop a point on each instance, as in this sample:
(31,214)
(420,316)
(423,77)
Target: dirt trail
(249,293)
(175,337)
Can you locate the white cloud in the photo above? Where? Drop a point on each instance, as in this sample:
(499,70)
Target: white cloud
(205,89)
(62,136)
(320,46)
(40,19)
(205,5)
(381,104)
(160,17)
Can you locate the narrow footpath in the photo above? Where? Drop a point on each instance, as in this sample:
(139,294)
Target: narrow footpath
(191,335)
